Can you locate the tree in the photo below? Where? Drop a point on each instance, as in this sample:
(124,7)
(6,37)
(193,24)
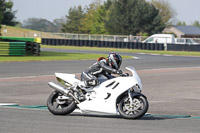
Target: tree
(7,15)
(181,23)
(99,21)
(1,14)
(132,17)
(196,23)
(1,10)
(74,17)
(58,24)
(95,18)
(39,24)
(101,18)
(167,13)
(87,21)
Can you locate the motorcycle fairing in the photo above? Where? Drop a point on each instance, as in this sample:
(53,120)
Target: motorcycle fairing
(70,78)
(107,94)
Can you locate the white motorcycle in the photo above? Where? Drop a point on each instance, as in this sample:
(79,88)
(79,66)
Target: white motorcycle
(120,95)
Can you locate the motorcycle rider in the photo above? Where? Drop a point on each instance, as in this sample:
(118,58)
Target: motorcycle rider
(103,67)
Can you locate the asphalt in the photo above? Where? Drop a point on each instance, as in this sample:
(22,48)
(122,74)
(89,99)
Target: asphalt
(171,84)
(34,121)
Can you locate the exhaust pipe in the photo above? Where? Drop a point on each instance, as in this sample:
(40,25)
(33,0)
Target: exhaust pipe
(62,90)
(58,88)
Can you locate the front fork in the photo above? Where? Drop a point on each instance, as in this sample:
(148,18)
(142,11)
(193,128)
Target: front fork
(130,97)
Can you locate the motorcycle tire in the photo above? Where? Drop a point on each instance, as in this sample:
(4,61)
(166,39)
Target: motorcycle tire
(129,112)
(60,109)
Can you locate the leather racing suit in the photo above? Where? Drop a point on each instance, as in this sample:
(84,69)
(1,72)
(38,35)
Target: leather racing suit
(100,68)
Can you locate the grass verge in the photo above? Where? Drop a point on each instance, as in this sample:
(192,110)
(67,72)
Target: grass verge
(177,53)
(54,56)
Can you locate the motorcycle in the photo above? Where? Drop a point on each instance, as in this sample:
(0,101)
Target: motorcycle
(120,95)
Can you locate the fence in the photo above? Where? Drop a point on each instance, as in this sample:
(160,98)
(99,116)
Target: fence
(116,38)
(8,31)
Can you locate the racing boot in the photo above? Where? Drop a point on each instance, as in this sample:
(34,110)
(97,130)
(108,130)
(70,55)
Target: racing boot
(82,84)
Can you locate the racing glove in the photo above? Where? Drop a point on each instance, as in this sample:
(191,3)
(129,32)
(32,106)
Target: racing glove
(119,72)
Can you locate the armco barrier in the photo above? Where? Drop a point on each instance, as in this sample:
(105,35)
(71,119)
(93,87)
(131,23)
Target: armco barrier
(19,48)
(129,45)
(21,39)
(12,48)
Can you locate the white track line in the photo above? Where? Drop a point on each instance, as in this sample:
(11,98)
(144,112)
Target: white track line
(7,104)
(137,58)
(154,54)
(26,77)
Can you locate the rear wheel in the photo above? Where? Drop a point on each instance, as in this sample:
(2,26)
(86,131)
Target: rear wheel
(135,110)
(60,107)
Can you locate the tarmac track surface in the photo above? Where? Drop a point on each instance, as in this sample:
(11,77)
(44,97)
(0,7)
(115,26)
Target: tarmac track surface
(34,121)
(171,84)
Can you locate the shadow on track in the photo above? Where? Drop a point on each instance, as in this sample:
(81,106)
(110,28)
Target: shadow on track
(146,117)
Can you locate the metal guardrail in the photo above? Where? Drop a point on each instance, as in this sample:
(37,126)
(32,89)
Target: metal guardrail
(12,48)
(19,48)
(23,39)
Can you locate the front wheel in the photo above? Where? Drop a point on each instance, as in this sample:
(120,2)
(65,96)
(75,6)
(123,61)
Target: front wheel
(60,107)
(137,109)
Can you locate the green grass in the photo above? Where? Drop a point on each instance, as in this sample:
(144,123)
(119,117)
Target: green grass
(177,53)
(58,56)
(17,28)
(22,32)
(54,56)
